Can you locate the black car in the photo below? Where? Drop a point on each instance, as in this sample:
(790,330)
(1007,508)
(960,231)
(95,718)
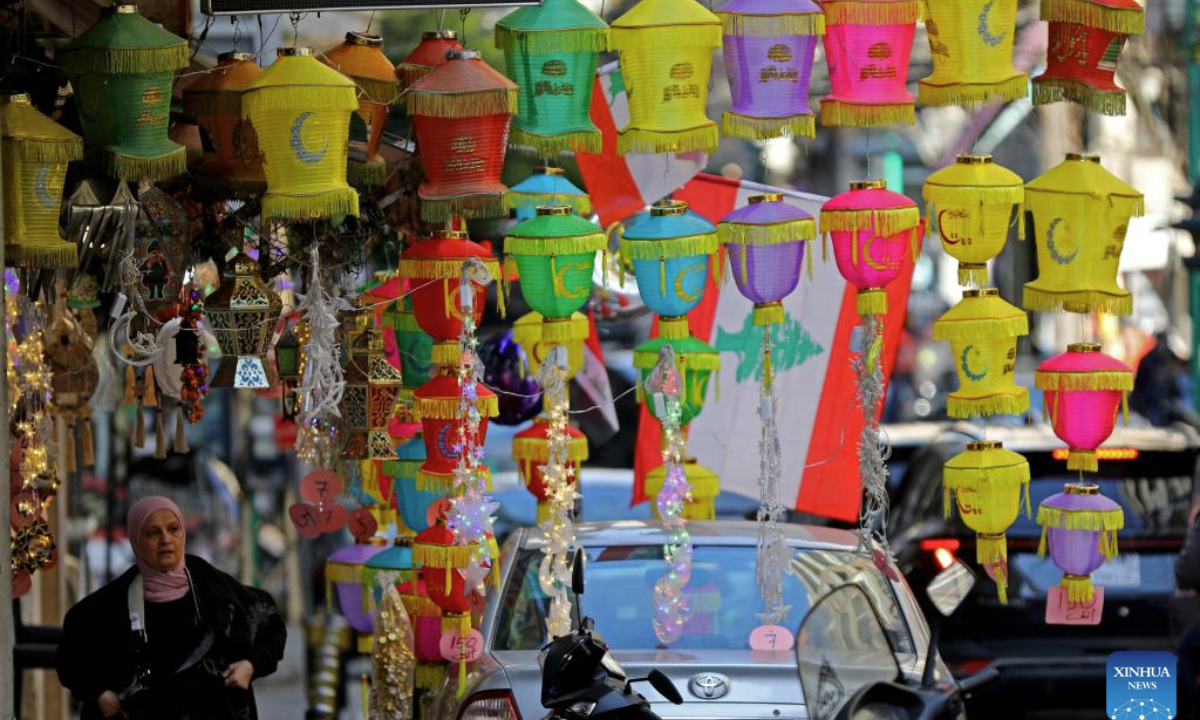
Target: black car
(1151,472)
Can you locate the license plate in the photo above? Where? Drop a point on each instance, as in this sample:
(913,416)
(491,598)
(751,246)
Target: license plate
(1123,571)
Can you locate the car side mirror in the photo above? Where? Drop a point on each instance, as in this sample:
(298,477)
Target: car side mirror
(951,587)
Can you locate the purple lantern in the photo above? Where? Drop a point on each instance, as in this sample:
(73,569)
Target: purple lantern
(769,46)
(765,243)
(344,573)
(1080,526)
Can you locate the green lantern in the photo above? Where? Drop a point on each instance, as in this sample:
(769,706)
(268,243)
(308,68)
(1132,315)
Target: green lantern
(696,360)
(122,69)
(556,254)
(551,51)
(413,343)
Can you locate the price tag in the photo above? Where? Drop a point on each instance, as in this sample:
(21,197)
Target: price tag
(772,638)
(320,486)
(363,524)
(306,520)
(437,509)
(455,650)
(1061,611)
(333,517)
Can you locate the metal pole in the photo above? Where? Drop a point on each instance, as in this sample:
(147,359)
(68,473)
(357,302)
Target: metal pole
(7,639)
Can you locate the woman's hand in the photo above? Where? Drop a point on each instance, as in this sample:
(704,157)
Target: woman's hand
(110,705)
(239,674)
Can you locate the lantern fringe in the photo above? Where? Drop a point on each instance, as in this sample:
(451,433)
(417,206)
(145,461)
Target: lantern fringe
(1051,90)
(842,114)
(468,207)
(1090,520)
(666,37)
(409,73)
(884,222)
(640,141)
(442,556)
(366,174)
(686,361)
(431,482)
(429,676)
(655,249)
(376,90)
(992,551)
(50,256)
(529,333)
(674,328)
(958,478)
(1128,21)
(59,152)
(972,195)
(846,12)
(420,606)
(1078,301)
(401,470)
(499,101)
(565,40)
(336,572)
(558,330)
(964,407)
(773,234)
(538,449)
(402,322)
(308,97)
(1117,380)
(771,26)
(426,269)
(974,95)
(448,408)
(577,141)
(1082,460)
(133,169)
(769,314)
(330,203)
(581,204)
(1079,588)
(551,246)
(981,328)
(126,61)
(973,274)
(872,302)
(446,354)
(766,128)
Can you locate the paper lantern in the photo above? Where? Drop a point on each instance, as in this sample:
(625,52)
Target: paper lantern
(701,501)
(34,152)
(971,44)
(301,111)
(666,49)
(398,559)
(868,44)
(361,59)
(696,360)
(556,256)
(233,165)
(369,402)
(987,483)
(527,332)
(413,344)
(1083,388)
(871,229)
(412,502)
(531,450)
(547,186)
(982,331)
(1080,214)
(344,576)
(438,405)
(669,249)
(1079,526)
(551,51)
(440,559)
(971,204)
(432,52)
(242,314)
(122,69)
(769,48)
(461,112)
(765,243)
(1086,38)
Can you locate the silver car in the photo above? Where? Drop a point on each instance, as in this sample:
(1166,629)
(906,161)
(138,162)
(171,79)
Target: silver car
(712,665)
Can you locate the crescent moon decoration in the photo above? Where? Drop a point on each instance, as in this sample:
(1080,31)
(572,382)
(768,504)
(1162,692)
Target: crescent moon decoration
(946,238)
(42,186)
(145,349)
(302,153)
(1053,249)
(870,260)
(442,443)
(697,267)
(988,38)
(560,285)
(966,366)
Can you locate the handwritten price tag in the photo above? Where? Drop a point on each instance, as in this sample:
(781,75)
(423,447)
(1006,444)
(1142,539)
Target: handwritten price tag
(455,650)
(363,524)
(772,638)
(306,519)
(333,517)
(1061,611)
(320,486)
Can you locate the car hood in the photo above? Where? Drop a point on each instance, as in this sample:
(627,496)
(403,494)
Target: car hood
(761,684)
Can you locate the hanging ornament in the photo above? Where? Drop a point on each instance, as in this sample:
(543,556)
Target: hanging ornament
(436,404)
(301,112)
(443,564)
(193,380)
(769,49)
(288,366)
(666,49)
(35,152)
(122,69)
(972,49)
(413,502)
(361,59)
(1083,388)
(161,251)
(1081,213)
(504,368)
(412,343)
(699,504)
(233,165)
(396,562)
(547,186)
(369,403)
(432,52)
(551,51)
(344,576)
(987,484)
(696,360)
(772,555)
(531,451)
(765,242)
(868,44)
(323,380)
(1086,39)
(461,112)
(1079,525)
(971,204)
(982,331)
(527,332)
(871,228)
(392,661)
(74,377)
(242,313)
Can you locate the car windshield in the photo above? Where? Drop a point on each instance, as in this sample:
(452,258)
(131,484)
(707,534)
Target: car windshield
(723,594)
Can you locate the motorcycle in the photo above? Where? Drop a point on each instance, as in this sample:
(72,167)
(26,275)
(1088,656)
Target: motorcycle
(849,668)
(581,680)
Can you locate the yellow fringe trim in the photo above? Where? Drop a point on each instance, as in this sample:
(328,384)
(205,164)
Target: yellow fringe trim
(839,114)
(377,90)
(770,26)
(963,407)
(368,174)
(53,152)
(1077,301)
(125,61)
(766,128)
(661,249)
(400,470)
(992,551)
(420,606)
(582,204)
(442,556)
(294,97)
(538,450)
(429,676)
(153,169)
(849,12)
(769,314)
(402,322)
(366,644)
(872,302)
(636,140)
(1082,460)
(564,40)
(331,203)
(666,36)
(336,572)
(972,195)
(674,328)
(567,143)
(528,333)
(1090,520)
(467,207)
(448,408)
(500,101)
(973,274)
(1051,90)
(955,479)
(981,328)
(445,354)
(1114,380)
(432,482)
(427,269)
(884,222)
(55,255)
(1079,588)
(558,330)
(409,73)
(973,95)
(550,247)
(686,361)
(1131,21)
(779,233)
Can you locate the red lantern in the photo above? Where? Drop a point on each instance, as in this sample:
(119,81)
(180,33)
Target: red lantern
(438,405)
(1083,388)
(531,450)
(430,54)
(1086,38)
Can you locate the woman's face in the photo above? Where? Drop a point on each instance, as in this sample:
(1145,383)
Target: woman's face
(161,543)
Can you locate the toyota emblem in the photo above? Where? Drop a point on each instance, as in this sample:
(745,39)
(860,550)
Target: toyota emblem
(709,686)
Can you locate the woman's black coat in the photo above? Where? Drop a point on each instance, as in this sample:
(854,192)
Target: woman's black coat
(98,647)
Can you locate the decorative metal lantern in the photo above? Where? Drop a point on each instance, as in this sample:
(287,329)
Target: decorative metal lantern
(1083,388)
(666,53)
(1080,214)
(1079,526)
(868,44)
(288,365)
(988,483)
(344,575)
(1086,38)
(432,52)
(696,360)
(971,204)
(438,405)
(233,165)
(122,69)
(35,151)
(972,50)
(765,242)
(461,112)
(242,314)
(871,228)
(982,331)
(527,332)
(361,58)
(531,450)
(701,501)
(769,48)
(301,111)
(371,395)
(547,186)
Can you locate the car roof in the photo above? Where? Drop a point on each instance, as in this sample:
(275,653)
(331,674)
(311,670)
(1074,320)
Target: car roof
(1041,438)
(706,532)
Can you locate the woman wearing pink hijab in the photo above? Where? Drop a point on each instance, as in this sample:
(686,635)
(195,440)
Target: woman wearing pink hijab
(171,639)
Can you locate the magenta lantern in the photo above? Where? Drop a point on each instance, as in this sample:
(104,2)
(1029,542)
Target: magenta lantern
(868,45)
(1079,525)
(1083,388)
(765,242)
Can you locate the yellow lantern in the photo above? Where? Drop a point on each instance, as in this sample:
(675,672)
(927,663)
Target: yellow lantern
(301,111)
(1080,214)
(527,332)
(666,59)
(982,331)
(987,484)
(971,44)
(361,58)
(701,504)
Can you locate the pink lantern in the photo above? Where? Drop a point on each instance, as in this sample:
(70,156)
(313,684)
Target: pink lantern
(1083,388)
(871,229)
(1079,525)
(868,44)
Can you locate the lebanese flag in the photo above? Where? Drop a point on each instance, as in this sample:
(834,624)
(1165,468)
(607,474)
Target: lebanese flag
(819,417)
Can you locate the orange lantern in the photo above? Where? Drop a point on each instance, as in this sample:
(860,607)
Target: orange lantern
(361,58)
(233,166)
